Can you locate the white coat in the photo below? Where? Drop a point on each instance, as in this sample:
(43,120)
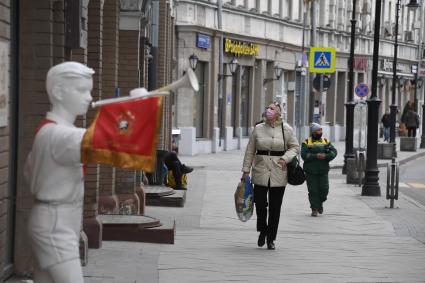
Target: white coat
(264,168)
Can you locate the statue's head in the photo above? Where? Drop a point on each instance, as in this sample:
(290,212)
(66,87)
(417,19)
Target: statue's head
(69,85)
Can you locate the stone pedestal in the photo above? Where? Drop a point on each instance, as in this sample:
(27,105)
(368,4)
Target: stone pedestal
(140,191)
(352,173)
(93,229)
(408,144)
(84,248)
(129,204)
(108,204)
(385,150)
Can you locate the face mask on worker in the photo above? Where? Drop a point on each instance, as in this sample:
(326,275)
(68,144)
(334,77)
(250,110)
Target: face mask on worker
(270,114)
(316,136)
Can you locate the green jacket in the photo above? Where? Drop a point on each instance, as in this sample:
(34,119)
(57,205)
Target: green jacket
(309,150)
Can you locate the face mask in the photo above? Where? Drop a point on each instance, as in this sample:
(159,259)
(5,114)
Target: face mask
(270,114)
(317,136)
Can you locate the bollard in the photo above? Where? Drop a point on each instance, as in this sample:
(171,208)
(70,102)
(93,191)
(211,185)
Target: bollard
(360,165)
(392,182)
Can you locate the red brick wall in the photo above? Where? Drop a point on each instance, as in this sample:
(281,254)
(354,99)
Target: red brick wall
(41,39)
(111,10)
(94,60)
(164,69)
(128,61)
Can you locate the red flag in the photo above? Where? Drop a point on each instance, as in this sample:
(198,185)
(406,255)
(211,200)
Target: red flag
(124,134)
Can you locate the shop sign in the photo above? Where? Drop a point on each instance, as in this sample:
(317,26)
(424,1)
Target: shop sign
(360,63)
(387,65)
(203,41)
(238,48)
(4,83)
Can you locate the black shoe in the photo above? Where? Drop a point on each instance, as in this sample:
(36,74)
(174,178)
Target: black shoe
(261,239)
(320,210)
(271,246)
(186,169)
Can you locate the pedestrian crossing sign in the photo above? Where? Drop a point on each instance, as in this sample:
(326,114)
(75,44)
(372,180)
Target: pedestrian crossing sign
(322,59)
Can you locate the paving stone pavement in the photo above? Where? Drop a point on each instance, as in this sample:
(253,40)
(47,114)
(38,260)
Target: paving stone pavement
(357,239)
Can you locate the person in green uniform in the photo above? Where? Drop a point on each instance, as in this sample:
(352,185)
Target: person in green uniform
(317,152)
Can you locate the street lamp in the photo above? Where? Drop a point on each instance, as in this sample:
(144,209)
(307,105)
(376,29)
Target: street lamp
(349,127)
(193,61)
(371,186)
(233,65)
(277,72)
(393,107)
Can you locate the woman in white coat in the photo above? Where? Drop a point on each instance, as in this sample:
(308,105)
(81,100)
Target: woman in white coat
(267,153)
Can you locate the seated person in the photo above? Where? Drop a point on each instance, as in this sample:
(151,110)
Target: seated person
(173,163)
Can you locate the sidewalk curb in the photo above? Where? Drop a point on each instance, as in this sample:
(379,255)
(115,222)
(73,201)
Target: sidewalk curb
(384,164)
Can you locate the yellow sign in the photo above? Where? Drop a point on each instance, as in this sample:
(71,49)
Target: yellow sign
(322,59)
(241,48)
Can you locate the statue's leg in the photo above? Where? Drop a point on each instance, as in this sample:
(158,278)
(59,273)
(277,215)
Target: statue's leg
(41,275)
(67,272)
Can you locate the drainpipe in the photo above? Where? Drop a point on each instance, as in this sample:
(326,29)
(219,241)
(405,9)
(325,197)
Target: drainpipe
(220,118)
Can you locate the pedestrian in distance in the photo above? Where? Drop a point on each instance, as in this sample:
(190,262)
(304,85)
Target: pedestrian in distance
(386,123)
(317,152)
(412,122)
(266,159)
(174,164)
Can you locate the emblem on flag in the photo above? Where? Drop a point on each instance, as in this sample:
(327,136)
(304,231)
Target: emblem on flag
(124,134)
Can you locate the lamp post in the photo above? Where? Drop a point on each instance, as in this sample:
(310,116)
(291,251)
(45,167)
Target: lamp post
(371,186)
(233,64)
(393,106)
(349,127)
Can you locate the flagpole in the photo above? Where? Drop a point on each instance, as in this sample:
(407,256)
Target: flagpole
(188,80)
(154,93)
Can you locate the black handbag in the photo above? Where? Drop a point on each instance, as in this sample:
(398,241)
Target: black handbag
(295,172)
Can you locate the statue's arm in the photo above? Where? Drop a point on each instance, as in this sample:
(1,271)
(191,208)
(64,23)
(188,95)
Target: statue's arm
(66,145)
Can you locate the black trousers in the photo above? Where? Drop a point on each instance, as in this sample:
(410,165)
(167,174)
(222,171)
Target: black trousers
(274,201)
(173,163)
(411,132)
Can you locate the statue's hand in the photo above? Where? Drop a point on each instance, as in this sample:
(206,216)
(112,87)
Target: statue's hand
(138,92)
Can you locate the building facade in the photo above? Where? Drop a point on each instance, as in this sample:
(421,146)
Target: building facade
(268,35)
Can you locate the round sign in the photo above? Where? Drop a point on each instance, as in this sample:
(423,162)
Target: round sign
(361,90)
(325,85)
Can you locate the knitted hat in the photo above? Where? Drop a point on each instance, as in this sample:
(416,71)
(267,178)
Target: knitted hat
(315,127)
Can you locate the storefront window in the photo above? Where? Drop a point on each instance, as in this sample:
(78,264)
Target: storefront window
(244,105)
(198,101)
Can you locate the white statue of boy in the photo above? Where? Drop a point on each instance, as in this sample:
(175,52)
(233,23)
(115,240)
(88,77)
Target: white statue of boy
(55,175)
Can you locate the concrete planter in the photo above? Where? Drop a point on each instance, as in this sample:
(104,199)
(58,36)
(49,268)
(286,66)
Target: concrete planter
(408,144)
(385,150)
(352,173)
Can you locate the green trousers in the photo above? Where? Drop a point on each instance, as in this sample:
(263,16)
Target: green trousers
(318,189)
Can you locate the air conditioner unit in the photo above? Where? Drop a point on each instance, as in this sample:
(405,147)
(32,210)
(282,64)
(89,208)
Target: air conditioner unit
(408,35)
